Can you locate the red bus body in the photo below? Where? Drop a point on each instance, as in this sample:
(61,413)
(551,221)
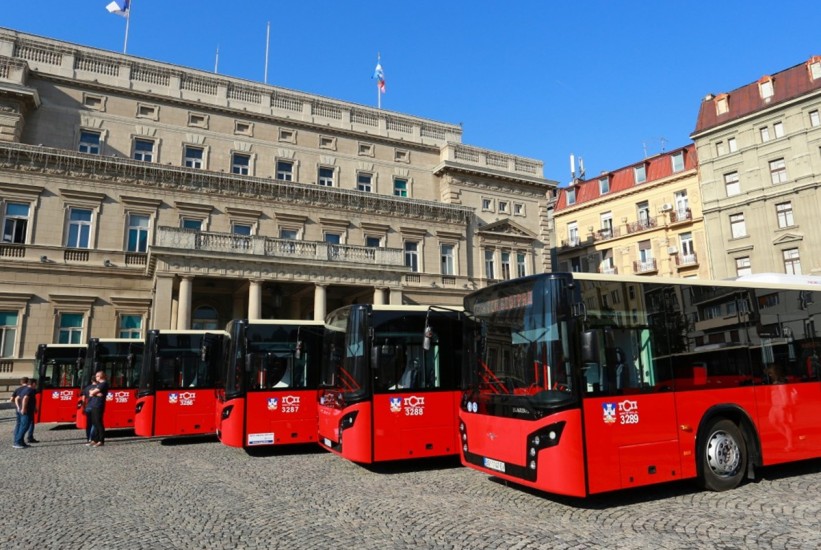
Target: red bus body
(384,395)
(179,382)
(58,369)
(120,359)
(568,420)
(270,395)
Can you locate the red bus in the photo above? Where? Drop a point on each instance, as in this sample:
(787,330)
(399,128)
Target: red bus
(589,383)
(391,382)
(271,375)
(179,380)
(120,359)
(58,368)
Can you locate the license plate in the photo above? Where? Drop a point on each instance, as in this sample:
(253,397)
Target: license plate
(491,464)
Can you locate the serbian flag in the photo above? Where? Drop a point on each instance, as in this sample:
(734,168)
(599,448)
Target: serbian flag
(379,75)
(119,7)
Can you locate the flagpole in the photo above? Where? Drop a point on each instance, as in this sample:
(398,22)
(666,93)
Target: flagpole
(127,21)
(217,60)
(267,43)
(378,91)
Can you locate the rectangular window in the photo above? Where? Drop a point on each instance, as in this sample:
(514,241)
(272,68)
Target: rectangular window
(722,105)
(489,264)
(144,150)
(363,182)
(604,185)
(643,213)
(487,205)
(506,265)
(412,255)
(521,264)
(504,207)
(90,142)
(447,259)
(778,171)
(291,234)
(326,176)
(815,120)
(606,221)
(738,227)
(79,228)
(765,134)
(518,209)
(15,222)
(639,174)
(241,229)
(731,145)
(766,89)
(731,184)
(71,328)
(720,149)
(240,164)
(8,333)
(373,242)
(686,243)
(193,157)
(743,266)
(572,234)
(678,161)
(285,170)
(783,212)
(137,233)
(792,263)
(778,130)
(192,223)
(131,326)
(571,195)
(400,187)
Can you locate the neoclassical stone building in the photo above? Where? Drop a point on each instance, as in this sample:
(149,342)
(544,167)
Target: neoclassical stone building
(136,194)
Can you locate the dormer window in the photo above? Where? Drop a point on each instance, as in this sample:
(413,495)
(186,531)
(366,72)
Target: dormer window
(814,66)
(640,174)
(604,185)
(722,104)
(765,88)
(571,195)
(677,160)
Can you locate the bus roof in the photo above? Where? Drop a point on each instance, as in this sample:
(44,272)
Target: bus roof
(192,332)
(66,346)
(774,281)
(295,322)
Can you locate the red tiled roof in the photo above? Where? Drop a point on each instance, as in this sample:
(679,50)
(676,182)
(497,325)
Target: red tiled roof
(787,84)
(623,179)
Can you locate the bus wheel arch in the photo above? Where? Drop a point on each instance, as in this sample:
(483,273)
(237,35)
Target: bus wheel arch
(727,448)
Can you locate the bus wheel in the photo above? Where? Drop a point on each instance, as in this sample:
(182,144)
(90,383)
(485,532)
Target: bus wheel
(723,456)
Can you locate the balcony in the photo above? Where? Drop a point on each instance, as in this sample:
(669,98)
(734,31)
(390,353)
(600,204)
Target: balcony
(681,216)
(606,233)
(686,260)
(245,245)
(609,270)
(641,225)
(645,267)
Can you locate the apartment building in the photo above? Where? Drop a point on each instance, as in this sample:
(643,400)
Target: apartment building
(759,151)
(136,194)
(642,219)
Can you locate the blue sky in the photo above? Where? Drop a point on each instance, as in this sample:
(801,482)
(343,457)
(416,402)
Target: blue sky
(605,80)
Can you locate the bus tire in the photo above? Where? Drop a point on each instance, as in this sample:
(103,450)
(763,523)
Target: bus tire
(723,456)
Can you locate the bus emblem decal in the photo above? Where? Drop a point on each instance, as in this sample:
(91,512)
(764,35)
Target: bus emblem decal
(187,398)
(609,413)
(414,406)
(172,398)
(273,403)
(396,404)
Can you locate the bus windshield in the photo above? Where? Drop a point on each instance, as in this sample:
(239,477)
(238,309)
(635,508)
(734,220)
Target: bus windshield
(120,360)
(60,366)
(523,351)
(181,360)
(344,365)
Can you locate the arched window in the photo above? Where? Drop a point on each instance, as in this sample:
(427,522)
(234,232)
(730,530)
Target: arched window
(205,318)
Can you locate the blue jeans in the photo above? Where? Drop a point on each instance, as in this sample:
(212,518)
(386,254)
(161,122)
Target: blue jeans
(22,428)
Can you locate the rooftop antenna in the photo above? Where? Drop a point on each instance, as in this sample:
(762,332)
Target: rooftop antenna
(663,141)
(217,60)
(267,43)
(572,167)
(644,147)
(581,168)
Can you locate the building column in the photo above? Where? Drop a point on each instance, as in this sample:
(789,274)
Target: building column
(379,296)
(320,304)
(396,296)
(184,311)
(254,299)
(163,315)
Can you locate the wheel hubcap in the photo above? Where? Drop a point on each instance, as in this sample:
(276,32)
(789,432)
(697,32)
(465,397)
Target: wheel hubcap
(723,454)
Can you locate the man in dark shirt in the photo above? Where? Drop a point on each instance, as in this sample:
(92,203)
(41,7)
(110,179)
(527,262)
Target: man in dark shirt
(34,391)
(15,399)
(25,408)
(97,397)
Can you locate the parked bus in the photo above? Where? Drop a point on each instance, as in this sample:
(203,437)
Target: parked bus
(179,379)
(120,359)
(58,369)
(271,376)
(391,382)
(588,383)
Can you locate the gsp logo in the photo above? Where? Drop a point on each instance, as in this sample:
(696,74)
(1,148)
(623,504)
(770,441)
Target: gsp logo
(62,395)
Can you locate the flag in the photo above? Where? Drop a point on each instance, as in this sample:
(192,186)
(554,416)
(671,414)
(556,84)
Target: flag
(119,7)
(379,75)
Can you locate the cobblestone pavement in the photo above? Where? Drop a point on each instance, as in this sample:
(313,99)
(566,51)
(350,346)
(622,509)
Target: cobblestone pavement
(138,493)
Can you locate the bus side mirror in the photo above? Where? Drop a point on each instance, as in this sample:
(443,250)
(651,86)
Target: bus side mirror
(427,339)
(590,347)
(298,350)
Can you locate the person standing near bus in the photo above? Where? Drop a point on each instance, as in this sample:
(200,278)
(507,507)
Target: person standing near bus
(25,409)
(96,404)
(85,408)
(24,382)
(34,390)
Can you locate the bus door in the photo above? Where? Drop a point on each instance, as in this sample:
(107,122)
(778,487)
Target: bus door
(416,397)
(631,435)
(60,370)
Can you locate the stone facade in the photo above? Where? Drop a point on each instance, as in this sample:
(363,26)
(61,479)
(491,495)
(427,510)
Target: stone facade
(137,192)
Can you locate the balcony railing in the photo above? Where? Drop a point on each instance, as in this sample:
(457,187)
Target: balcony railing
(606,233)
(685,260)
(646,266)
(609,270)
(641,225)
(679,216)
(186,239)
